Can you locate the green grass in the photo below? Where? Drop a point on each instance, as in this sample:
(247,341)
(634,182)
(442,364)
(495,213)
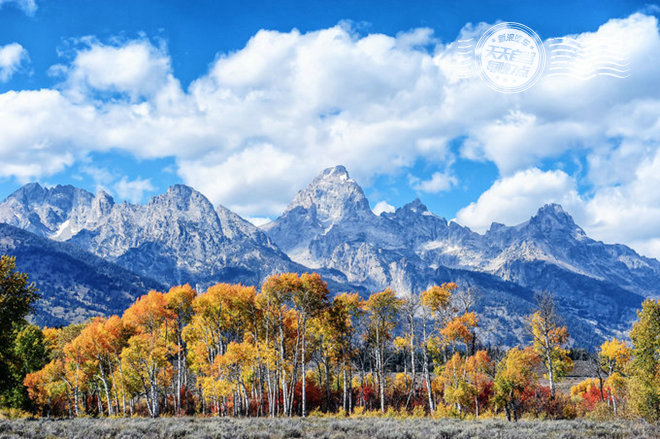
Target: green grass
(318,428)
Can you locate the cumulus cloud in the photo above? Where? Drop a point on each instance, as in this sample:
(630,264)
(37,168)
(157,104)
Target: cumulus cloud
(133,190)
(265,119)
(383,206)
(136,68)
(12,57)
(28,6)
(512,200)
(439,182)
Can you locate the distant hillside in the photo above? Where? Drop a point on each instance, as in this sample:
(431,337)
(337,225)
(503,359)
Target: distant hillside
(75,285)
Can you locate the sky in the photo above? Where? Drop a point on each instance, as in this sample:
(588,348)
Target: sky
(248,101)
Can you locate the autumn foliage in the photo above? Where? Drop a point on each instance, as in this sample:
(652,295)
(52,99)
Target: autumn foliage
(289,349)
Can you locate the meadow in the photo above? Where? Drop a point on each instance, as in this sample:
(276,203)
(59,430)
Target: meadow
(316,427)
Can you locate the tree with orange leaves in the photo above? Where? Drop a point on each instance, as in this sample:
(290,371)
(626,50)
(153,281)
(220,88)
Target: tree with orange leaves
(147,355)
(548,339)
(310,299)
(459,329)
(479,368)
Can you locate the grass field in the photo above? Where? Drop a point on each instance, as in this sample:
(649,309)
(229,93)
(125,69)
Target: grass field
(318,428)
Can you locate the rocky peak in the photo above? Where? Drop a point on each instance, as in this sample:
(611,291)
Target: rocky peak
(30,191)
(416,206)
(553,218)
(181,198)
(332,196)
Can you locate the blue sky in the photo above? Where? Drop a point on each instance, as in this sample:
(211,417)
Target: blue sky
(247,101)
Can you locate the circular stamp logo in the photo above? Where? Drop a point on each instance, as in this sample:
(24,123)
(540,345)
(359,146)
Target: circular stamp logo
(510,57)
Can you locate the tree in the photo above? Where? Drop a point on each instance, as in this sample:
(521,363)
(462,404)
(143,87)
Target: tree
(456,388)
(548,337)
(17,299)
(382,310)
(147,355)
(614,356)
(310,299)
(276,296)
(179,300)
(30,354)
(479,368)
(644,368)
(434,304)
(342,318)
(409,308)
(236,367)
(460,329)
(514,373)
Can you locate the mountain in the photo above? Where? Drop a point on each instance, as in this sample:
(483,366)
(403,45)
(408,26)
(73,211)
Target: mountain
(598,286)
(75,285)
(177,237)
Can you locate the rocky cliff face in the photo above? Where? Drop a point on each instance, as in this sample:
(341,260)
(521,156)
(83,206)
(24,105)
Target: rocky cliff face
(177,237)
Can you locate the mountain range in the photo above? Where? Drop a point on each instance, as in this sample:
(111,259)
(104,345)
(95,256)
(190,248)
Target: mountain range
(329,227)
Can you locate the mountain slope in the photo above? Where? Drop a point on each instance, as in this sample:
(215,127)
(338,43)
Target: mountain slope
(177,237)
(329,227)
(75,285)
(598,286)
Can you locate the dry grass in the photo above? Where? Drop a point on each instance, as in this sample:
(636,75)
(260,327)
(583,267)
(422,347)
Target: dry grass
(318,428)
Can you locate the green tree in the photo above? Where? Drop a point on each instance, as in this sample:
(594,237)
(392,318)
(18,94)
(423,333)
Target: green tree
(29,355)
(17,298)
(644,368)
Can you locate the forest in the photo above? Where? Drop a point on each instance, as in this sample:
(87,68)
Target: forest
(289,349)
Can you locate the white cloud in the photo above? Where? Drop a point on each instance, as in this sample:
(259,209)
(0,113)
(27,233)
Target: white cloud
(135,68)
(512,200)
(28,6)
(383,206)
(439,182)
(133,190)
(258,220)
(267,118)
(12,57)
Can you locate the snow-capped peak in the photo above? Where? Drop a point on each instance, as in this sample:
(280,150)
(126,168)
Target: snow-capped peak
(332,196)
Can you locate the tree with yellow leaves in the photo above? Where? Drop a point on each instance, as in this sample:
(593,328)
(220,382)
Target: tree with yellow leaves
(236,367)
(548,339)
(224,313)
(515,372)
(342,319)
(310,299)
(457,391)
(614,356)
(179,300)
(382,309)
(434,305)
